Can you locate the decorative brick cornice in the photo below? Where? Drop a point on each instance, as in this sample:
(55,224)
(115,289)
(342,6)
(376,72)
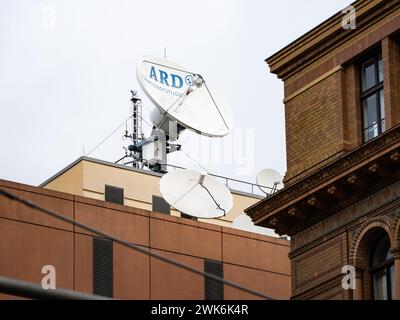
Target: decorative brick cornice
(365,155)
(329,34)
(351,218)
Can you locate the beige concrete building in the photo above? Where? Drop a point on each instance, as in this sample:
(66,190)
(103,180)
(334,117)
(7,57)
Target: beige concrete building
(89,177)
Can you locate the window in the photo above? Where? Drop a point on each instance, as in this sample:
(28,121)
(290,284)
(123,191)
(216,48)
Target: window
(382,271)
(372,99)
(160,205)
(114,194)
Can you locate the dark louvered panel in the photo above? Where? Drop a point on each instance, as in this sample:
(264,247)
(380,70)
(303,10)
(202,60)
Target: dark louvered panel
(186,216)
(103,267)
(213,289)
(114,194)
(160,205)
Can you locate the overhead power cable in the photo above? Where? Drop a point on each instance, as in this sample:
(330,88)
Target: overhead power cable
(32,205)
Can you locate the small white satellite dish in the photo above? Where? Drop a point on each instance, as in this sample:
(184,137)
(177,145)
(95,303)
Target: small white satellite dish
(269,181)
(196,194)
(183,96)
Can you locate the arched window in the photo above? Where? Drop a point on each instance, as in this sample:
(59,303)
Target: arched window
(382,270)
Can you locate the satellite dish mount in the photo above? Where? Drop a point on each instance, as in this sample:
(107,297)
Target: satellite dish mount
(183,101)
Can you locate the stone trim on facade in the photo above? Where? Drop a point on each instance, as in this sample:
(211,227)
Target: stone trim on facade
(344,170)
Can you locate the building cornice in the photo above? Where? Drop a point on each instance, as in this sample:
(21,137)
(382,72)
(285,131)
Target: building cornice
(340,180)
(327,36)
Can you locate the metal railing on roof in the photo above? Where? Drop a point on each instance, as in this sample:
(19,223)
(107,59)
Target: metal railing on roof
(233,184)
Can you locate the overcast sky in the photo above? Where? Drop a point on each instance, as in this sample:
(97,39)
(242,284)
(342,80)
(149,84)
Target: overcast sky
(67,68)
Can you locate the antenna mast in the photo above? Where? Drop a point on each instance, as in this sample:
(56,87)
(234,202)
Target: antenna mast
(137,129)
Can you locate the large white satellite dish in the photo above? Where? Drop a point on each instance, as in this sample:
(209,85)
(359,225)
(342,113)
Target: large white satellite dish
(183,96)
(196,194)
(269,181)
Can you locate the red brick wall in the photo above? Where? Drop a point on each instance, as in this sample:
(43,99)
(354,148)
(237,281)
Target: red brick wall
(314,125)
(322,110)
(321,264)
(324,121)
(319,252)
(391,72)
(29,239)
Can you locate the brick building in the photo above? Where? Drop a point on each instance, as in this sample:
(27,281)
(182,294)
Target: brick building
(341,201)
(85,262)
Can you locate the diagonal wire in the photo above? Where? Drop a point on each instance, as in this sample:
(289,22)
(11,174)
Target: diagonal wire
(183,98)
(115,130)
(196,162)
(186,193)
(216,106)
(108,136)
(148,123)
(32,205)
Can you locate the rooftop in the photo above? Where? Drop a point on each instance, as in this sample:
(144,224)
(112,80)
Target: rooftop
(242,187)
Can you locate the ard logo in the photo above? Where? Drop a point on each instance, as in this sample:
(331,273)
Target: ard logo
(169,79)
